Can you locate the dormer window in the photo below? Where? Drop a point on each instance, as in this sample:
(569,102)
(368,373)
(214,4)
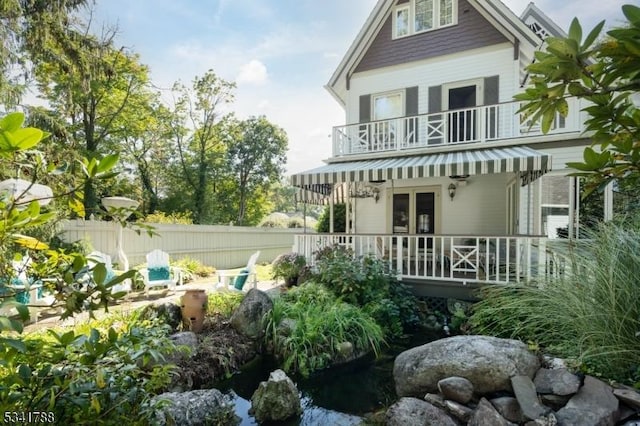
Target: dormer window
(417,16)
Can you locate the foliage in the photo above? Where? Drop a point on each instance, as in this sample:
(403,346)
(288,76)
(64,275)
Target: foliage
(103,375)
(339,219)
(182,218)
(194,267)
(606,74)
(288,266)
(319,328)
(256,158)
(223,303)
(367,282)
(592,313)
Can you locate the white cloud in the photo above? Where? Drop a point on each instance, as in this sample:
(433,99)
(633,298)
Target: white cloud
(253,72)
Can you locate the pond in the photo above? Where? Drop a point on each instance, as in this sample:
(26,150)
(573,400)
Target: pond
(338,396)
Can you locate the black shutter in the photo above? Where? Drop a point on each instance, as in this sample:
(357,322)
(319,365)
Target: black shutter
(491,97)
(411,110)
(434,120)
(365,108)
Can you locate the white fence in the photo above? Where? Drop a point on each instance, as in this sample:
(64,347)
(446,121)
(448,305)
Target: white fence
(218,246)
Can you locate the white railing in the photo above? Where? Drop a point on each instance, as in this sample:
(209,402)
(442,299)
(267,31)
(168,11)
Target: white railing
(461,258)
(463,126)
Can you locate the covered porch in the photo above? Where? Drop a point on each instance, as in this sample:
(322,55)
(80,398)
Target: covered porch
(460,217)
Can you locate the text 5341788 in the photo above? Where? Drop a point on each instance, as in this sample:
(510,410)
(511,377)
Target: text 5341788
(20,417)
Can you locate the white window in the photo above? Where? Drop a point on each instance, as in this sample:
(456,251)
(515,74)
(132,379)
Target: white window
(423,15)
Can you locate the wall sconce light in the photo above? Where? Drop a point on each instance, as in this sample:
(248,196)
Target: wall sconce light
(452,190)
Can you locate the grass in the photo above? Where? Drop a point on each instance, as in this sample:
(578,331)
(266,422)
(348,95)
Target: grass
(591,315)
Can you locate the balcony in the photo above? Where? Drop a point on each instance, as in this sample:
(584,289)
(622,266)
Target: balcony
(457,129)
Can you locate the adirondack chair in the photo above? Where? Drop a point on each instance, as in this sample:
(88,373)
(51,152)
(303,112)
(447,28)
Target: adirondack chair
(96,257)
(235,279)
(159,273)
(25,290)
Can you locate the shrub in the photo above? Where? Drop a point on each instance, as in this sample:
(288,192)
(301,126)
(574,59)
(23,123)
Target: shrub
(183,218)
(288,266)
(313,342)
(223,303)
(103,376)
(194,267)
(592,313)
(367,282)
(339,221)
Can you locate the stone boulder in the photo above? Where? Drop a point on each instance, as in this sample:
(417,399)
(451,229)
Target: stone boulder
(456,389)
(169,313)
(196,407)
(593,405)
(247,319)
(487,362)
(486,414)
(411,411)
(276,399)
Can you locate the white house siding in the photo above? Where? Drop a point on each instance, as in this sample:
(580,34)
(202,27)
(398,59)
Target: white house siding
(474,64)
(479,207)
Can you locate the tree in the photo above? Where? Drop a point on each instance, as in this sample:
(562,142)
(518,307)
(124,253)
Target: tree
(88,84)
(256,159)
(199,136)
(607,75)
(25,26)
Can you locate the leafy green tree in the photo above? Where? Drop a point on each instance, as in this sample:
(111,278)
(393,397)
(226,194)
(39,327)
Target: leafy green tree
(88,83)
(339,219)
(256,159)
(607,75)
(26,29)
(199,133)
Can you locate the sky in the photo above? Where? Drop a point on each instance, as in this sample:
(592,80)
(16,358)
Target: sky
(280,53)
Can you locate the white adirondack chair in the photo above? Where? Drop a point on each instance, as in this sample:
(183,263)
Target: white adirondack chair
(234,279)
(159,273)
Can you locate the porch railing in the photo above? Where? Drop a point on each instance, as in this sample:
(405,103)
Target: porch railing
(457,258)
(463,126)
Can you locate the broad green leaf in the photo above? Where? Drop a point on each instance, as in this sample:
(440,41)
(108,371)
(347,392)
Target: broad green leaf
(15,344)
(575,30)
(27,138)
(6,141)
(12,122)
(24,372)
(107,163)
(547,120)
(99,273)
(632,13)
(593,35)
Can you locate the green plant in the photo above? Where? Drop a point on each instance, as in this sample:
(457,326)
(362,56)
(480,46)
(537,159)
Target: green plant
(194,267)
(367,282)
(339,221)
(101,375)
(288,266)
(183,218)
(318,324)
(592,313)
(223,303)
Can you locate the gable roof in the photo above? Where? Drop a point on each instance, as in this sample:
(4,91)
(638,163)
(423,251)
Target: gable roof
(494,11)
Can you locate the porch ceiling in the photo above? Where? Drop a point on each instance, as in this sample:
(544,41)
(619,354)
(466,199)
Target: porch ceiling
(530,163)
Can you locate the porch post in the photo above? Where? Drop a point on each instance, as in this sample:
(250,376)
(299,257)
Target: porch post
(331,209)
(347,208)
(608,202)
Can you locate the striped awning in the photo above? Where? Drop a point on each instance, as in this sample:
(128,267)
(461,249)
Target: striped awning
(529,163)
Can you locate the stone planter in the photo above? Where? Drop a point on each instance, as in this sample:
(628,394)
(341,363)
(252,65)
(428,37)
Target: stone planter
(194,306)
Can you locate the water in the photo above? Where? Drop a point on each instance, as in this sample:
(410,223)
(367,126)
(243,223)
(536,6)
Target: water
(338,396)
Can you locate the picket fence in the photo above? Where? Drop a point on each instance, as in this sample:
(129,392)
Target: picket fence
(219,246)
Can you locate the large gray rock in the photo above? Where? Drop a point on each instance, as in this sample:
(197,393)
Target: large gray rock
(414,411)
(559,382)
(196,407)
(485,414)
(525,392)
(509,408)
(247,318)
(456,389)
(276,399)
(593,405)
(487,362)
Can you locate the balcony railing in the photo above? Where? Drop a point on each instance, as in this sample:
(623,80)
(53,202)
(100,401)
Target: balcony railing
(463,126)
(488,259)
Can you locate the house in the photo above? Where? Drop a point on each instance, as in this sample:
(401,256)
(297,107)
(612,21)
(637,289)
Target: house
(440,175)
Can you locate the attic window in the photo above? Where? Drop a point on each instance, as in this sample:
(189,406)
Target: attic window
(417,16)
